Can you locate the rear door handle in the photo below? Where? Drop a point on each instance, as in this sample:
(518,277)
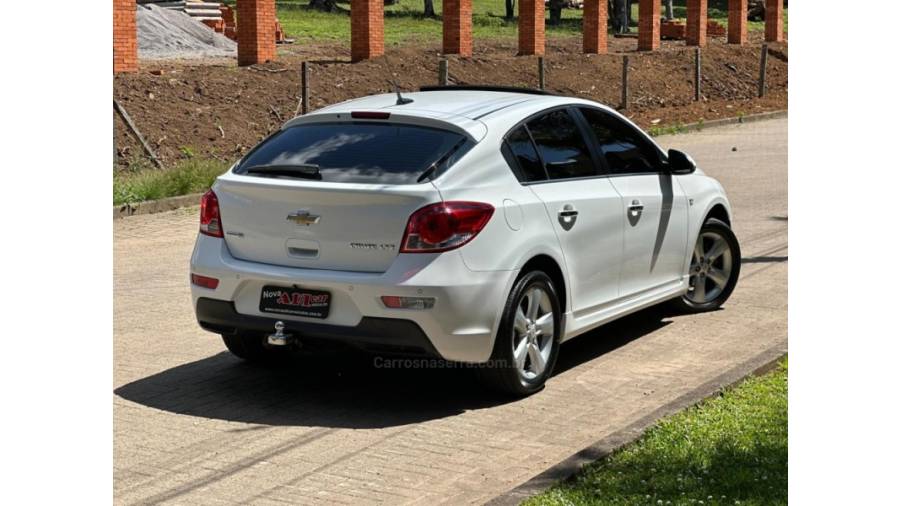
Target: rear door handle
(567,216)
(636,207)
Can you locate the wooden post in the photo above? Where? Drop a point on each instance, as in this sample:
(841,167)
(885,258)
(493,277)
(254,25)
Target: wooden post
(696,74)
(625,82)
(131,126)
(763,60)
(541,72)
(443,72)
(304,87)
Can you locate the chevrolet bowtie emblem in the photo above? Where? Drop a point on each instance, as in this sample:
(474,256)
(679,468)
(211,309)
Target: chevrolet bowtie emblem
(303,218)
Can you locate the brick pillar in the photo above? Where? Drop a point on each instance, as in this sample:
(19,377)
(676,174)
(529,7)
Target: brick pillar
(649,12)
(531,27)
(256,31)
(774,21)
(593,27)
(366,29)
(696,22)
(737,22)
(125,57)
(458,27)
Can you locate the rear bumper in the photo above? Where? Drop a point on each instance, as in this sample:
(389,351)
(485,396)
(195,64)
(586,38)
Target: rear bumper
(460,327)
(375,334)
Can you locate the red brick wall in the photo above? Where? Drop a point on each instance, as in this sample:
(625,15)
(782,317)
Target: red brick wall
(256,33)
(531,27)
(125,58)
(648,24)
(774,21)
(594,27)
(737,22)
(696,22)
(458,27)
(366,29)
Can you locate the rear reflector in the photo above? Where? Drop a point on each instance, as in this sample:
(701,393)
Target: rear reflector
(204,281)
(394,302)
(370,115)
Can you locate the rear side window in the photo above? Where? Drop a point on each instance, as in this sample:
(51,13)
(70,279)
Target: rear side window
(360,152)
(624,150)
(561,146)
(522,148)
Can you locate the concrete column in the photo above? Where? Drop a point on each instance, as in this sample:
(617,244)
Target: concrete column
(256,31)
(366,29)
(531,27)
(774,21)
(649,12)
(696,22)
(737,22)
(593,27)
(458,27)
(125,57)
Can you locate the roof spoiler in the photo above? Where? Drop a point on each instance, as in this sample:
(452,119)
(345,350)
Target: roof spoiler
(478,87)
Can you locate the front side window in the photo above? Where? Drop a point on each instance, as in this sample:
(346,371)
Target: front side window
(624,150)
(359,152)
(561,145)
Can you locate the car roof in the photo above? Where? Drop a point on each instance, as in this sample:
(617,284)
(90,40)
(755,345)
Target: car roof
(461,107)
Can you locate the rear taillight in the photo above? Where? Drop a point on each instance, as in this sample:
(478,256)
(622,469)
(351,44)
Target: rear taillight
(210,220)
(444,226)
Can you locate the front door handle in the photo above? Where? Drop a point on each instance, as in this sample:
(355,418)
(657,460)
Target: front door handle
(636,207)
(567,216)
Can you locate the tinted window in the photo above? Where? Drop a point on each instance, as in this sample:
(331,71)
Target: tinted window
(522,148)
(561,145)
(625,151)
(359,152)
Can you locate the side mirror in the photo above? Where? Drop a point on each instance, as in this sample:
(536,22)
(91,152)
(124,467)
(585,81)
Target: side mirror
(681,163)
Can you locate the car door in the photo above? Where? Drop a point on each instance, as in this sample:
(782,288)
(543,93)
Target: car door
(654,213)
(582,204)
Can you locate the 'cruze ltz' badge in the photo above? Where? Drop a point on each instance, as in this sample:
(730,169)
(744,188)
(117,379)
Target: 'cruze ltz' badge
(303,217)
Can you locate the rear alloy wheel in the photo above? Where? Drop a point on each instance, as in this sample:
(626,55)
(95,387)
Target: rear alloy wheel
(715,267)
(528,338)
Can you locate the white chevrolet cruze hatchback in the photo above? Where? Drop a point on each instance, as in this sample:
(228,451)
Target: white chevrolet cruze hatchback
(478,225)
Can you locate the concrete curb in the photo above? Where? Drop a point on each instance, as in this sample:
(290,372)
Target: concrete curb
(758,365)
(737,120)
(172,203)
(156,206)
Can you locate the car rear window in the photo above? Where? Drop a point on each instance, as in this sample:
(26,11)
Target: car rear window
(361,152)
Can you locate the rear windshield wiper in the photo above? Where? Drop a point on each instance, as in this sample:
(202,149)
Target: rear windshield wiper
(429,172)
(302,171)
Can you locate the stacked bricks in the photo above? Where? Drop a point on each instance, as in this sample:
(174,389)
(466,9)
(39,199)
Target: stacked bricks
(594,27)
(458,27)
(366,29)
(531,27)
(737,22)
(714,29)
(125,58)
(256,38)
(696,22)
(648,24)
(228,18)
(216,24)
(774,21)
(279,33)
(672,30)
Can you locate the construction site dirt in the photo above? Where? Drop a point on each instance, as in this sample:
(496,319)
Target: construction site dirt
(212,108)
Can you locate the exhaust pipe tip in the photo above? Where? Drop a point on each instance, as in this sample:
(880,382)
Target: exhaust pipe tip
(279,338)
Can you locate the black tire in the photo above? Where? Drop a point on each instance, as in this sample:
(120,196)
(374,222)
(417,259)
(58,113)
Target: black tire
(501,373)
(685,303)
(249,347)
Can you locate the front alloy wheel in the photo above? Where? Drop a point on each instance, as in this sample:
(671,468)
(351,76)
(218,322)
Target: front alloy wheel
(715,266)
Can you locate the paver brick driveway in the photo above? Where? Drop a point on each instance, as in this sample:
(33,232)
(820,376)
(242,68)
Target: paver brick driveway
(195,425)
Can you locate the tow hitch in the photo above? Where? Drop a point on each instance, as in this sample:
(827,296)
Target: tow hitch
(279,338)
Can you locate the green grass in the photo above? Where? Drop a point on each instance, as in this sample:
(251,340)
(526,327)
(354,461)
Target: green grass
(404,21)
(141,182)
(728,450)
